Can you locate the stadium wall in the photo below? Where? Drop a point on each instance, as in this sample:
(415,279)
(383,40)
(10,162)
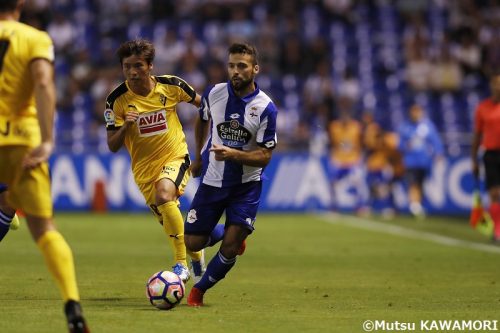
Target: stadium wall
(294,182)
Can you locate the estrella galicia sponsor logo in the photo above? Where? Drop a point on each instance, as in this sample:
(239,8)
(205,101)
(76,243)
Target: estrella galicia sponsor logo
(233,134)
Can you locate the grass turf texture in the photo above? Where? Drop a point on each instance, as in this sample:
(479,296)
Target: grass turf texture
(300,273)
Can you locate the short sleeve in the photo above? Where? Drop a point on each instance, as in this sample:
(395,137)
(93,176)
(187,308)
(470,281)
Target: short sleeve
(266,135)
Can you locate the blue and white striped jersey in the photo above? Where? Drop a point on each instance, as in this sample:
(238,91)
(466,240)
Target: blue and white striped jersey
(240,123)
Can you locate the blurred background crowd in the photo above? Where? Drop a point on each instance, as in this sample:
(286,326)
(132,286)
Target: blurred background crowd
(319,59)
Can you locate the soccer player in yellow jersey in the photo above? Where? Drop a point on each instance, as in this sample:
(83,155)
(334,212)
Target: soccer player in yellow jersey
(141,114)
(27,106)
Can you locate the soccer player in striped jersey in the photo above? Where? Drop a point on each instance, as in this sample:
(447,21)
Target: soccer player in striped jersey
(240,121)
(141,115)
(27,107)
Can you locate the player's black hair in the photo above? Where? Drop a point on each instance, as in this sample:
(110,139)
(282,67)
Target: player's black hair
(244,48)
(8,5)
(142,47)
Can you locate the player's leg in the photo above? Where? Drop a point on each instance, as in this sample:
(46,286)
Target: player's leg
(492,169)
(59,260)
(8,218)
(241,211)
(32,194)
(415,188)
(169,187)
(201,228)
(220,264)
(7,214)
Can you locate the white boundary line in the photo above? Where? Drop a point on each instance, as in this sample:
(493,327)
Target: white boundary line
(367,224)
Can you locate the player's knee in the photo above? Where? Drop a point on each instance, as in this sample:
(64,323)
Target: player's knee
(163,199)
(194,243)
(230,250)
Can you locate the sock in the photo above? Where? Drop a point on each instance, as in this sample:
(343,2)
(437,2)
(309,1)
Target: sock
(495,215)
(216,235)
(173,224)
(216,271)
(195,256)
(59,260)
(4,224)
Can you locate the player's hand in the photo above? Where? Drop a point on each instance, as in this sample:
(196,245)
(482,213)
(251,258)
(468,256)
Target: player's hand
(131,117)
(38,155)
(221,152)
(196,168)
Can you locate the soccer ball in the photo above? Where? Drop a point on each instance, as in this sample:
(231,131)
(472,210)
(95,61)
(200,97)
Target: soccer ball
(165,290)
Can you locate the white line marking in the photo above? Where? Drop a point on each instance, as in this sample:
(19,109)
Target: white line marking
(366,224)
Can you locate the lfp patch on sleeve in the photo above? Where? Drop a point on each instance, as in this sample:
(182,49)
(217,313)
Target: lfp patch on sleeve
(109,117)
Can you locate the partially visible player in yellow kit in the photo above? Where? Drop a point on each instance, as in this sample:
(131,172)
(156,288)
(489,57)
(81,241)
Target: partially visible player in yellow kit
(27,106)
(141,114)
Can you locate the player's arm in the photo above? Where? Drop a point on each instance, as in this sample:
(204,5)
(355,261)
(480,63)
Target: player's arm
(116,138)
(196,101)
(476,141)
(42,74)
(259,157)
(200,135)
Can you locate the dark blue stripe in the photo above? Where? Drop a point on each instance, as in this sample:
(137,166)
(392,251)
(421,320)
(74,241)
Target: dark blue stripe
(233,171)
(270,112)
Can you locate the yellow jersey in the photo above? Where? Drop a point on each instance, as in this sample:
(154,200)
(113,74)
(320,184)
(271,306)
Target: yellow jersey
(345,139)
(157,137)
(19,45)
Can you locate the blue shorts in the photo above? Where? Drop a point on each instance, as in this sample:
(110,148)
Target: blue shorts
(240,202)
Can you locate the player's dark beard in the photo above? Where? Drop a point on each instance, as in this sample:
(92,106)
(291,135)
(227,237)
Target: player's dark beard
(241,85)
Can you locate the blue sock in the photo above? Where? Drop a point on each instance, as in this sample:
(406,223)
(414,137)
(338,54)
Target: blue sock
(216,235)
(216,271)
(4,224)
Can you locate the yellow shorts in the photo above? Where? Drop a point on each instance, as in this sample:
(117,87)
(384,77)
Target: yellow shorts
(28,190)
(177,171)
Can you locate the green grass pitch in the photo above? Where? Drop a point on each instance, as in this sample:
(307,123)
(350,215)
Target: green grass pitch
(301,273)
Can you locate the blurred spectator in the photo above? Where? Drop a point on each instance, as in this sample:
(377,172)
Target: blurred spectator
(468,52)
(379,173)
(396,46)
(420,144)
(445,73)
(62,31)
(492,54)
(291,56)
(345,139)
(418,71)
(169,49)
(349,86)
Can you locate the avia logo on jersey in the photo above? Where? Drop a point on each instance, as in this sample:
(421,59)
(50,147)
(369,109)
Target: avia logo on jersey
(233,134)
(152,123)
